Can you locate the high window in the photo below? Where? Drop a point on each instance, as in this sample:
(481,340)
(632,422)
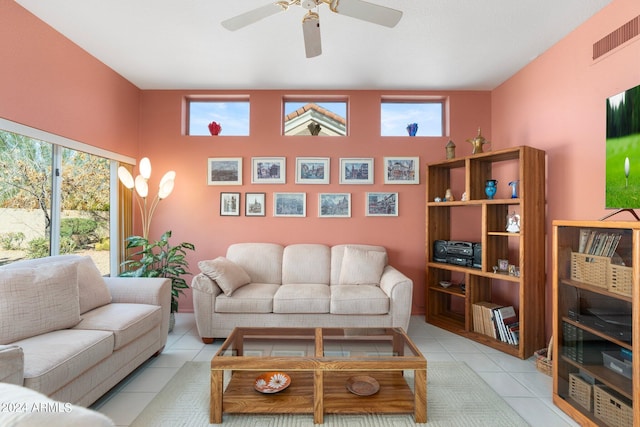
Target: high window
(398,116)
(315,117)
(231,115)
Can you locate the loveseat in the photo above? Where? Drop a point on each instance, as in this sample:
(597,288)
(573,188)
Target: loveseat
(302,285)
(71,334)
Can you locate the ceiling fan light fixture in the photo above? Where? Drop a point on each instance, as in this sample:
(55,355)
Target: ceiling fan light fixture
(309,4)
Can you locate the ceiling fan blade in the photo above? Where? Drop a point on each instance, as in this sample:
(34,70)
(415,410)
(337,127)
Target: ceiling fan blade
(366,11)
(311,32)
(253,16)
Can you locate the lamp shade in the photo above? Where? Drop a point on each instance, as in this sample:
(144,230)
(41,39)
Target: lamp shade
(165,189)
(145,167)
(171,175)
(142,188)
(125,177)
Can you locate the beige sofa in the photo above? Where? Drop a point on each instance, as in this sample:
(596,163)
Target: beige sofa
(69,333)
(302,285)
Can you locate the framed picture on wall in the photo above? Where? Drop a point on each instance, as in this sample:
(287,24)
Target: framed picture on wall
(290,204)
(382,204)
(268,170)
(224,171)
(312,170)
(254,204)
(356,171)
(334,205)
(229,204)
(402,170)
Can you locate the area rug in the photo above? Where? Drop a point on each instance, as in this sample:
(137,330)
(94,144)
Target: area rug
(456,397)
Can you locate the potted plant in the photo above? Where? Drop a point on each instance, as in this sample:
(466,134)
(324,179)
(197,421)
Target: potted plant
(159,259)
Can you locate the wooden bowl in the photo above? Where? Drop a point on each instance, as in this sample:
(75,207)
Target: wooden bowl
(272,382)
(363,385)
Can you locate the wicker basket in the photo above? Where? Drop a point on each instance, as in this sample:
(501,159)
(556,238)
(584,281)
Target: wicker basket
(581,391)
(590,269)
(544,363)
(620,279)
(610,408)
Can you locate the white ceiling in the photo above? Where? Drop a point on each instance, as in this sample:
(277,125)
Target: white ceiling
(438,44)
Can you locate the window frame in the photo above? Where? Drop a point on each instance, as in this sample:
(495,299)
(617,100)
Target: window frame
(443,101)
(188,100)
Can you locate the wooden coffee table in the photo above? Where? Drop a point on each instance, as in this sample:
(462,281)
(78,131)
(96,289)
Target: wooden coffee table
(319,362)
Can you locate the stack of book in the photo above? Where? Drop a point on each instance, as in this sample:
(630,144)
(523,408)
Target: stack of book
(598,243)
(497,321)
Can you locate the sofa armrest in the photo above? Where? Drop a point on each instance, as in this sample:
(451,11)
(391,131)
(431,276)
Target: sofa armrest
(399,288)
(143,290)
(11,364)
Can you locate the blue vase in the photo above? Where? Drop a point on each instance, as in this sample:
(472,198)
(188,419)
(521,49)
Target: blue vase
(412,129)
(491,188)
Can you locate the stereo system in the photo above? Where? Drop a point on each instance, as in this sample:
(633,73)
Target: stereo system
(466,254)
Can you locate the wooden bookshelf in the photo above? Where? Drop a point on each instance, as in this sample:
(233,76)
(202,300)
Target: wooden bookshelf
(486,220)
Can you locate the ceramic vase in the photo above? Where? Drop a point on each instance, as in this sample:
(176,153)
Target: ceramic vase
(412,129)
(491,186)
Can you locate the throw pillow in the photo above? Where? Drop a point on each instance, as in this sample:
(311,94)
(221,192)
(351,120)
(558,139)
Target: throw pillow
(92,288)
(37,300)
(227,274)
(361,267)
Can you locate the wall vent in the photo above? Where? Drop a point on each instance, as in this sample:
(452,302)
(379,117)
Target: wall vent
(617,37)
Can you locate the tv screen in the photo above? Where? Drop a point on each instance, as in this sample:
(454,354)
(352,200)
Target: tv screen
(623,150)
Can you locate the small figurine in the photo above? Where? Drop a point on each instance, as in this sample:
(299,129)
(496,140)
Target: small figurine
(451,150)
(437,199)
(464,197)
(513,223)
(448,196)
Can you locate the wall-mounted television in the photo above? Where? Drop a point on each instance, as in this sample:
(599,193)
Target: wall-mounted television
(623,150)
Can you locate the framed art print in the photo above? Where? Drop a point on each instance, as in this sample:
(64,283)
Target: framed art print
(334,205)
(290,204)
(268,170)
(229,204)
(224,171)
(402,170)
(356,171)
(312,170)
(254,204)
(382,204)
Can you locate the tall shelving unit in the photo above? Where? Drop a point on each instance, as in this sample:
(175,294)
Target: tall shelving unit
(595,323)
(486,219)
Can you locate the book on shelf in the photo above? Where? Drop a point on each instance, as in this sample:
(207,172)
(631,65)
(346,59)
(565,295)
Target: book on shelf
(505,317)
(483,317)
(597,243)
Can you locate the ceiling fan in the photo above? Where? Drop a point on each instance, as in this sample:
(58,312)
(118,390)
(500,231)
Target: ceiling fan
(358,9)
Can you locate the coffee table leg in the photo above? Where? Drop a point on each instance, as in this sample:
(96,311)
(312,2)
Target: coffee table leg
(420,387)
(215,409)
(318,397)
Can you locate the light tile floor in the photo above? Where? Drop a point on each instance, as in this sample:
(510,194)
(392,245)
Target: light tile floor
(517,381)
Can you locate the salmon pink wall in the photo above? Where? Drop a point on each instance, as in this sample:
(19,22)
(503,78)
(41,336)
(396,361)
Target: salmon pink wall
(557,103)
(192,211)
(49,83)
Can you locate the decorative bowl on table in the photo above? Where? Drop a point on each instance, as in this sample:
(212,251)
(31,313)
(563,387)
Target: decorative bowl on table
(272,382)
(363,385)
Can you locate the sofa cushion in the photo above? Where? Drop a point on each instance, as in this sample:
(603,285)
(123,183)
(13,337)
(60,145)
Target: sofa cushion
(37,300)
(262,261)
(306,263)
(92,289)
(127,321)
(227,274)
(365,299)
(11,364)
(251,298)
(302,298)
(337,255)
(37,410)
(54,359)
(361,267)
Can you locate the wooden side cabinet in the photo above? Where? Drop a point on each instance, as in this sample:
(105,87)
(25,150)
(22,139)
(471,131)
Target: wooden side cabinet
(483,221)
(596,352)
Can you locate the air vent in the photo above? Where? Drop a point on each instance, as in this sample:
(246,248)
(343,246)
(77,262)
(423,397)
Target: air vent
(622,35)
